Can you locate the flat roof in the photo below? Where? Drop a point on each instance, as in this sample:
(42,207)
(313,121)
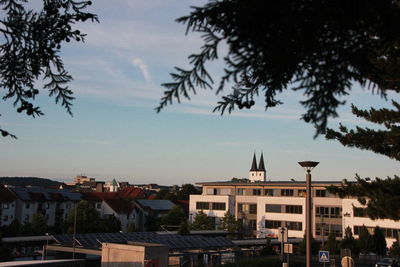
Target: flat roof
(271,183)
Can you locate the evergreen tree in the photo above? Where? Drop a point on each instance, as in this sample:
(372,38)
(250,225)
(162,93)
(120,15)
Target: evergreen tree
(321,46)
(364,240)
(87,218)
(174,217)
(202,222)
(348,241)
(332,245)
(379,242)
(229,223)
(31,41)
(184,228)
(186,190)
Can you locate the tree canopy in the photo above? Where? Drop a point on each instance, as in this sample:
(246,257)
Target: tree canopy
(318,47)
(31,42)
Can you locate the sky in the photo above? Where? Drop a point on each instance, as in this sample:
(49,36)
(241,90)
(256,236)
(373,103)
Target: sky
(115,132)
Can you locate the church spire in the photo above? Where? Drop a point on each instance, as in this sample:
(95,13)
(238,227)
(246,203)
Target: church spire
(261,166)
(254,164)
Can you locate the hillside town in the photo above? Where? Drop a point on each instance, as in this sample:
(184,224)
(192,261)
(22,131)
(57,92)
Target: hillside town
(248,214)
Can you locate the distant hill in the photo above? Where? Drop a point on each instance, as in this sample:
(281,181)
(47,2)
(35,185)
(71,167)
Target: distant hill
(33,181)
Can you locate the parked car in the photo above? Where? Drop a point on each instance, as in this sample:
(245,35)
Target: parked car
(387,262)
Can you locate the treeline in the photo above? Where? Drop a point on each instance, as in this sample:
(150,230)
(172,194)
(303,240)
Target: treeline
(33,181)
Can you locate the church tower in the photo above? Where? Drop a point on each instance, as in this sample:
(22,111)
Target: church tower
(257,174)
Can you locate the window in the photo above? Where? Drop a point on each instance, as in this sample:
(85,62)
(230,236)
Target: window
(5,206)
(273,208)
(256,192)
(240,191)
(268,192)
(269,224)
(98,205)
(5,218)
(322,212)
(336,212)
(320,193)
(253,209)
(202,205)
(287,192)
(218,206)
(27,206)
(302,193)
(297,209)
(297,226)
(225,191)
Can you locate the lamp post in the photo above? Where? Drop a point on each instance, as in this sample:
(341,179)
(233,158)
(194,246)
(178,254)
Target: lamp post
(308,166)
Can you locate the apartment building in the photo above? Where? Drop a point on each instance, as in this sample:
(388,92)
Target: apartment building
(264,206)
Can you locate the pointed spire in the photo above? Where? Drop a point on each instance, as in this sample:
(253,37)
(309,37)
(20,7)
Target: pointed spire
(261,166)
(254,164)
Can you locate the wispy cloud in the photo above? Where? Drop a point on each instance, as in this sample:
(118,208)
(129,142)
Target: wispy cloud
(143,67)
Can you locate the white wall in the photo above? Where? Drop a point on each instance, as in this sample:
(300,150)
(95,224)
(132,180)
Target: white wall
(228,200)
(262,215)
(359,221)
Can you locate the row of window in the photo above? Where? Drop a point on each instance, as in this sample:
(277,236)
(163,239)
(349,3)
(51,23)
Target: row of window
(387,232)
(247,208)
(328,212)
(326,228)
(210,206)
(296,209)
(271,224)
(264,192)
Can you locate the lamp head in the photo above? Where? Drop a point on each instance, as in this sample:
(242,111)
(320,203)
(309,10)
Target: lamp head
(308,165)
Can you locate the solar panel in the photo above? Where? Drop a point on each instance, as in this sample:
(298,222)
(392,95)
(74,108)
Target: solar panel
(174,241)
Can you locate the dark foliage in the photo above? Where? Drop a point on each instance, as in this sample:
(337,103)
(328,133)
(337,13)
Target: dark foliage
(186,190)
(381,196)
(384,141)
(31,42)
(379,242)
(33,181)
(319,47)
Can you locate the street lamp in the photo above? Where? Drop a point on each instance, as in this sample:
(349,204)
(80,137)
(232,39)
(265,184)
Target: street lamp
(308,166)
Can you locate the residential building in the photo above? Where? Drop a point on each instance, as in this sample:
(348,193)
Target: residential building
(54,204)
(111,204)
(151,209)
(7,206)
(264,206)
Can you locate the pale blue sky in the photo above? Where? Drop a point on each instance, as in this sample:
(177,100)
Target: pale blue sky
(115,132)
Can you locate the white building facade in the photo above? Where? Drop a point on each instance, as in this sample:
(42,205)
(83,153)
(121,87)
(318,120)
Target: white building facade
(264,206)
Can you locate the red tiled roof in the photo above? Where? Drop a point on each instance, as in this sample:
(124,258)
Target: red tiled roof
(6,195)
(120,205)
(98,196)
(131,192)
(152,196)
